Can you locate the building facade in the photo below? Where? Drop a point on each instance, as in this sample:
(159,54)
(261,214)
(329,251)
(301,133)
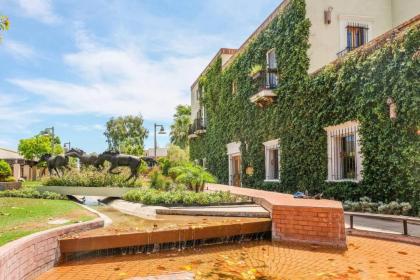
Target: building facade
(21,168)
(305,102)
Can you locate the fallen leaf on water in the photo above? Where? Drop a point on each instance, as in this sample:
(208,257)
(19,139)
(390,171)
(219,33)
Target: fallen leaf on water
(188,267)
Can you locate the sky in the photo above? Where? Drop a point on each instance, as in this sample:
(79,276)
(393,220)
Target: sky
(75,64)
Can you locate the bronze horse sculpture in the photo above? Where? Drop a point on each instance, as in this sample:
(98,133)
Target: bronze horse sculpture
(85,159)
(117,160)
(55,163)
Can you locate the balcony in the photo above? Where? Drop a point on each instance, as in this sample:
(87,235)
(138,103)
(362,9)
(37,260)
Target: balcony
(266,81)
(345,51)
(197,128)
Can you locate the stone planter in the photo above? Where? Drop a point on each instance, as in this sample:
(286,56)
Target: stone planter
(86,191)
(10,185)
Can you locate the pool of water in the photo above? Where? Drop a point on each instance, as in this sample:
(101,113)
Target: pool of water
(364,259)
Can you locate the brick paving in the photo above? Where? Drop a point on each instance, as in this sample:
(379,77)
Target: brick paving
(365,259)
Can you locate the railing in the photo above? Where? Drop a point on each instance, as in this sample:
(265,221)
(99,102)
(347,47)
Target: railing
(404,219)
(266,79)
(198,124)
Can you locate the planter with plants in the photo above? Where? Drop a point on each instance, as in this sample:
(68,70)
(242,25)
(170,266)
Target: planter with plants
(256,71)
(7,181)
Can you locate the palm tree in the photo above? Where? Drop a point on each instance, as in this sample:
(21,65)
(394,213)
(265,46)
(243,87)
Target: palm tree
(193,176)
(180,126)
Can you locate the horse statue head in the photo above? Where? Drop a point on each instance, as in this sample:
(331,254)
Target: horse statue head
(45,157)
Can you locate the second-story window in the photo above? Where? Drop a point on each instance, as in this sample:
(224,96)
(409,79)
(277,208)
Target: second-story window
(357,35)
(272,80)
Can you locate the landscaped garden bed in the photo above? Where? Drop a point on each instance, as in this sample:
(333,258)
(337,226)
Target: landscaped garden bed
(183,198)
(23,216)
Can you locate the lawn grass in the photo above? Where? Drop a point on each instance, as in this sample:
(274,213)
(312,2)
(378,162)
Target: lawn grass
(23,216)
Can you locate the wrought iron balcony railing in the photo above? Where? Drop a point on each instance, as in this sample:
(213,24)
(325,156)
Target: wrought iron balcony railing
(198,126)
(266,79)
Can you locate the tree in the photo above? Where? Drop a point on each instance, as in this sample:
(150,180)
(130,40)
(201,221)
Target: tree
(4,24)
(126,134)
(180,126)
(34,147)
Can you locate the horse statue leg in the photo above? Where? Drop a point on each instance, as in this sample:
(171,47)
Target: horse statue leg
(113,166)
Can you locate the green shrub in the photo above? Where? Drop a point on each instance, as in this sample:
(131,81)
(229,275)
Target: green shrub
(365,204)
(159,181)
(31,193)
(193,176)
(157,197)
(5,170)
(10,179)
(91,178)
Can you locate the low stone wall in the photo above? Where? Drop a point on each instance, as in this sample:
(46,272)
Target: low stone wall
(10,185)
(309,221)
(28,257)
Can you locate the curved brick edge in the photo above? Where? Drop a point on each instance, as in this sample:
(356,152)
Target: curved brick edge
(385,236)
(29,256)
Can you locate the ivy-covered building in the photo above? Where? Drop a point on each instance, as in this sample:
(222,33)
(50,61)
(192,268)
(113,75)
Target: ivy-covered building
(324,96)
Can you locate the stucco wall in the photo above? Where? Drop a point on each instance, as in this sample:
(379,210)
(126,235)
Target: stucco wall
(403,10)
(195,104)
(325,38)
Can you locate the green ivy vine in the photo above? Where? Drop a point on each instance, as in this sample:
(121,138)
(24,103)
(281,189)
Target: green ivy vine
(354,89)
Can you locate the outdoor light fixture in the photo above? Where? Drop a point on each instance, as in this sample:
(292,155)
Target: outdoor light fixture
(327,15)
(392,108)
(161,131)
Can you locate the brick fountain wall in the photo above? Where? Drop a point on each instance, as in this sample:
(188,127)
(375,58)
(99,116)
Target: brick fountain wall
(28,257)
(311,221)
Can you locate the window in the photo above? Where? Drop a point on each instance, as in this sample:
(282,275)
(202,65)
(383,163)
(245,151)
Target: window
(357,35)
(272,160)
(344,157)
(355,31)
(272,80)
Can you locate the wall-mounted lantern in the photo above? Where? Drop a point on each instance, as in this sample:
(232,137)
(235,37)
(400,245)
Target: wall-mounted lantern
(392,108)
(327,15)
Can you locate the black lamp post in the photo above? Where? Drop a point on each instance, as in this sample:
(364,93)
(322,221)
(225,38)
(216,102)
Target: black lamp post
(161,131)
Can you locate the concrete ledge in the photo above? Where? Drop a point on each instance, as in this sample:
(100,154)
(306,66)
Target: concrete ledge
(319,222)
(86,191)
(30,256)
(252,211)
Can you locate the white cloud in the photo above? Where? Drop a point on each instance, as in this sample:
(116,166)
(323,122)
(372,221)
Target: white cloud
(18,50)
(41,10)
(117,81)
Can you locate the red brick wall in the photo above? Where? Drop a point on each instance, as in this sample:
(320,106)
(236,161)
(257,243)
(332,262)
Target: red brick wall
(28,257)
(313,225)
(298,220)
